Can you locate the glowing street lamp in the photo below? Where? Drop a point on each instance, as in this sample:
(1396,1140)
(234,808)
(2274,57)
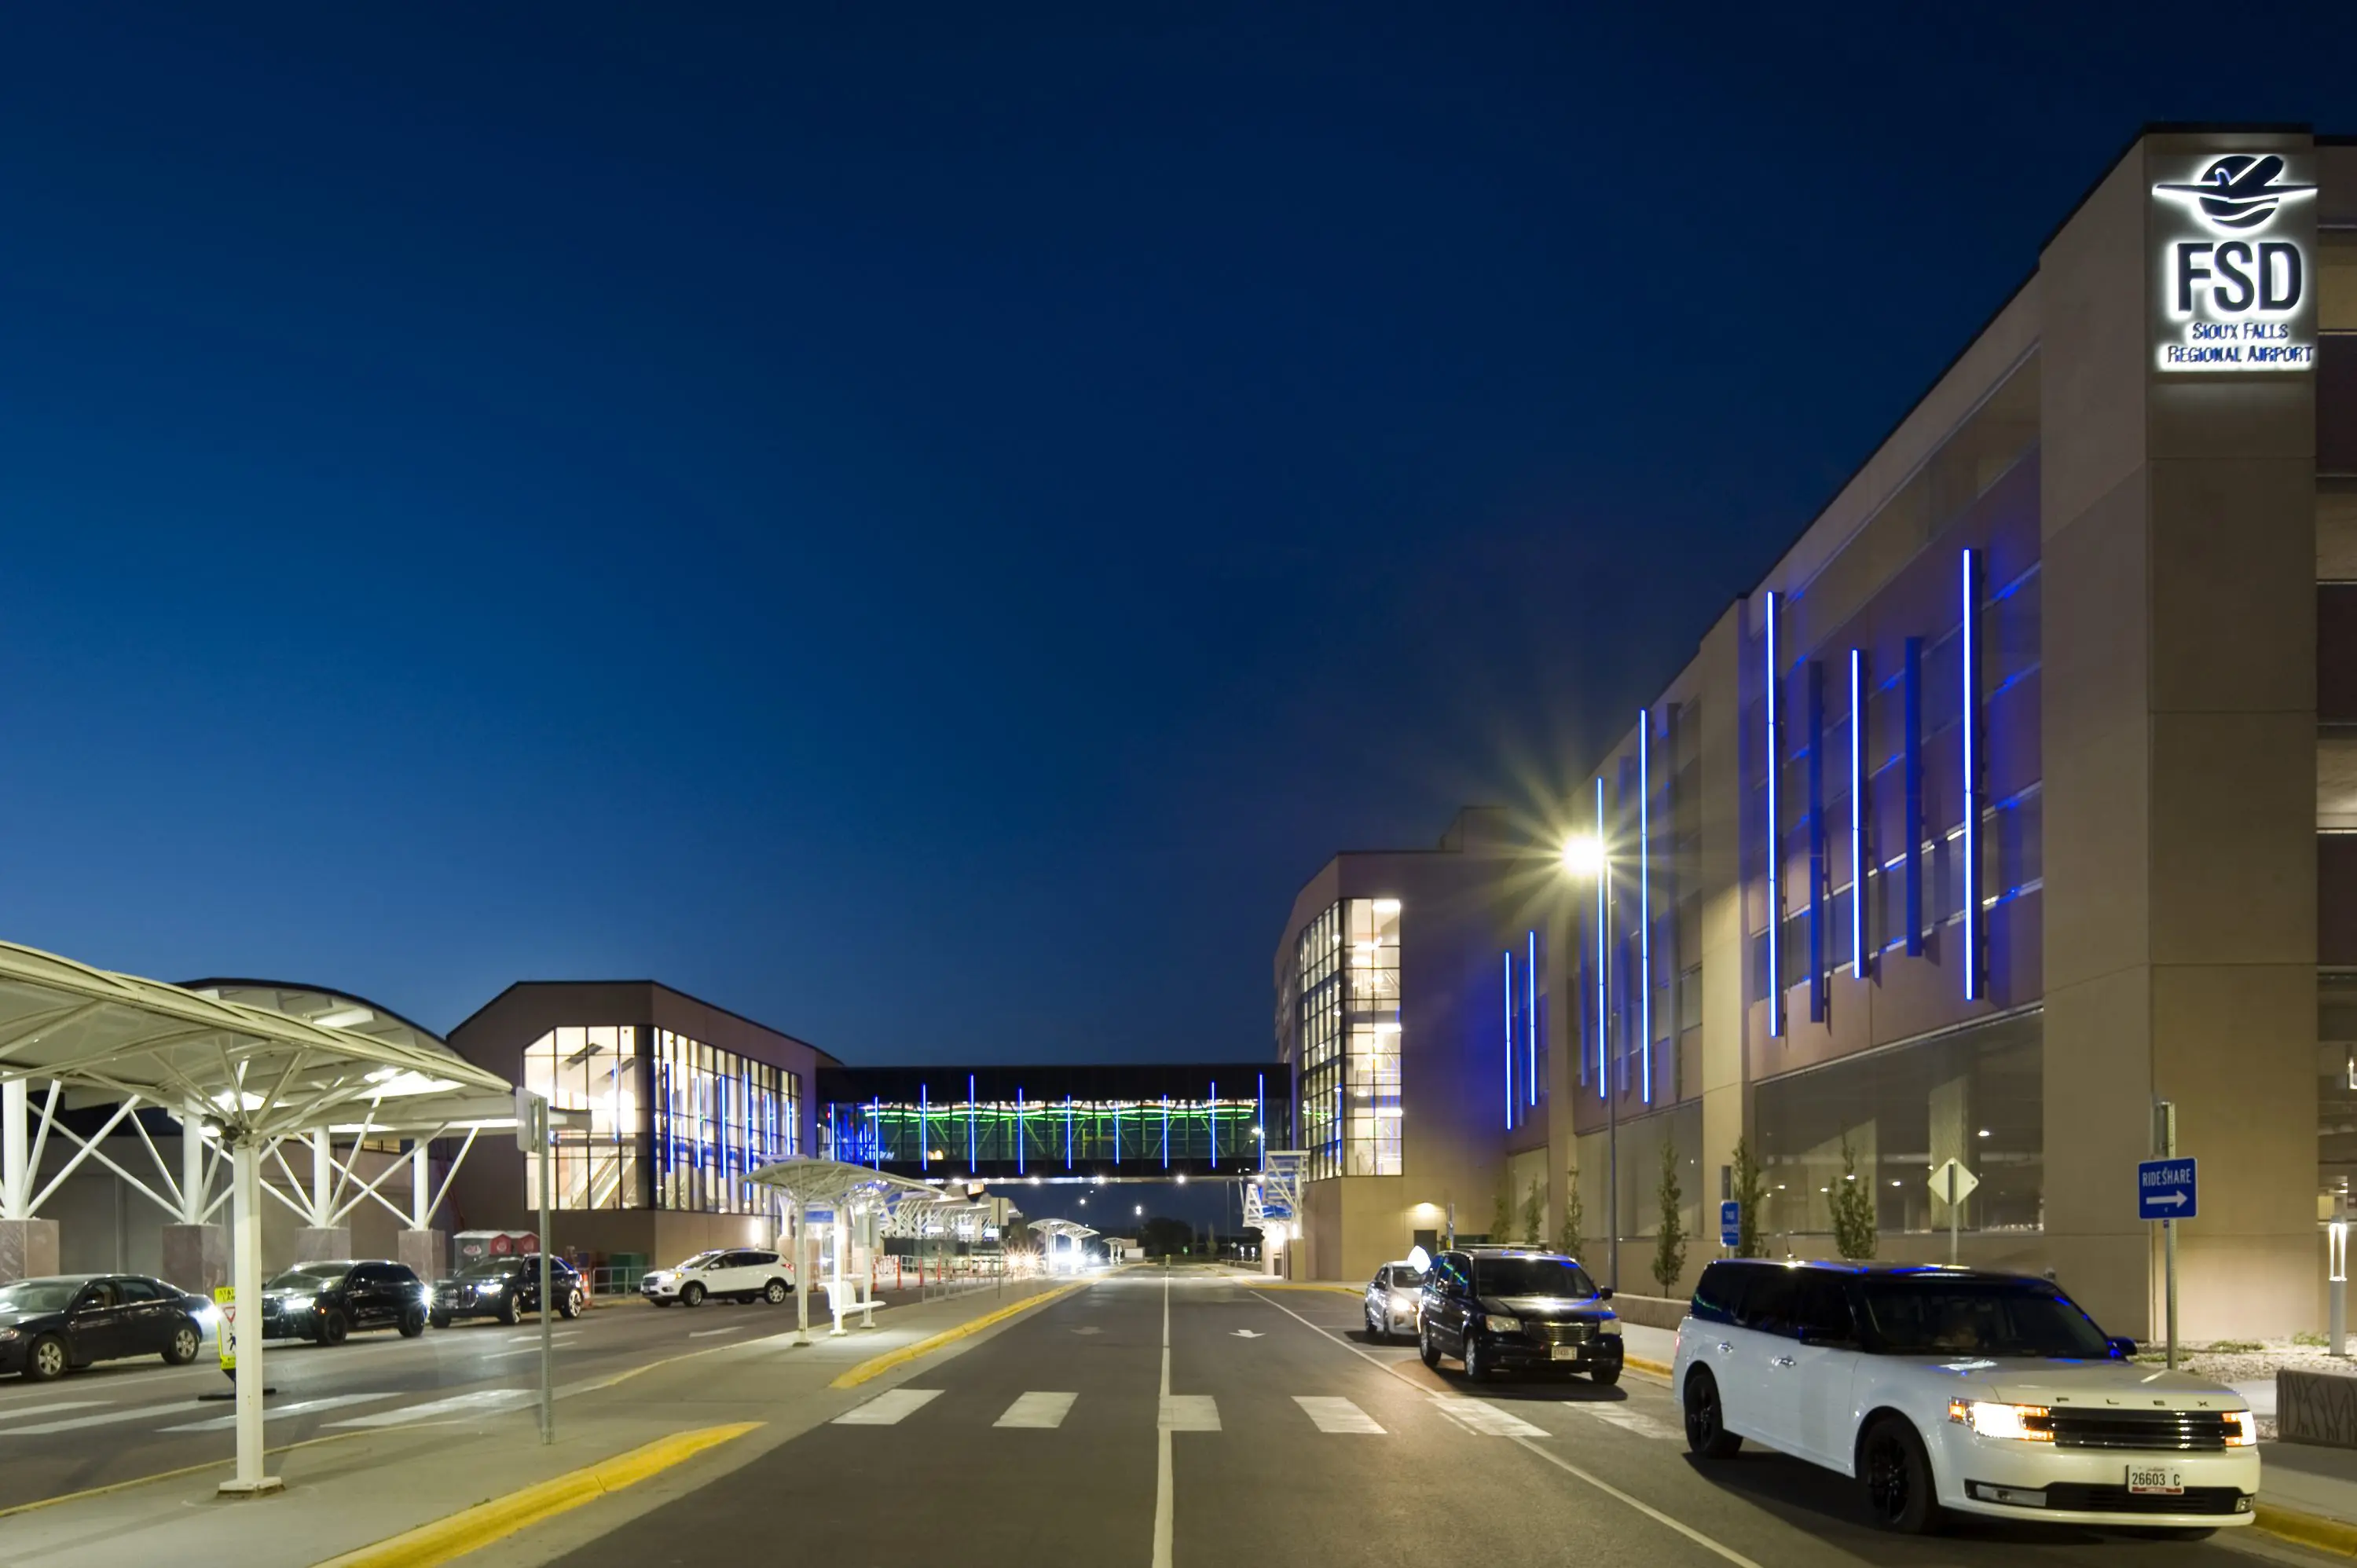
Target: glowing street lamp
(1583,856)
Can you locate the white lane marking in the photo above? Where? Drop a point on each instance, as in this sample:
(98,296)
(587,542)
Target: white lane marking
(482,1402)
(1163,1502)
(1488,1419)
(1250,1334)
(1333,1415)
(53,1409)
(1037,1412)
(1189,1412)
(300,1407)
(888,1409)
(709,1333)
(77,1423)
(1631,1420)
(1557,1460)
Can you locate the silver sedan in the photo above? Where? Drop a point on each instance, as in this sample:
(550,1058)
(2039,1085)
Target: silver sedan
(1392,1297)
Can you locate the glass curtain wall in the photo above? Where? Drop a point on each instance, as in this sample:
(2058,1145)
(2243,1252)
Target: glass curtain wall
(597,1070)
(718,1117)
(1372,1133)
(1318,956)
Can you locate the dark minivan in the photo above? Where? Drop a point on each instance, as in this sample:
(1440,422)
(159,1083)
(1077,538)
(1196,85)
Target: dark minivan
(1503,1310)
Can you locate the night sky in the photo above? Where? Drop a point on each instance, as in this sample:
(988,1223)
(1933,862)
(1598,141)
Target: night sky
(925,526)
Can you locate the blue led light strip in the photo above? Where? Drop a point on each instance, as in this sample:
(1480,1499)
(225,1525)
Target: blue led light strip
(1068,1131)
(1972,724)
(1775,844)
(1019,1129)
(1166,1132)
(875,1131)
(973,1159)
(1262,1100)
(1215,1123)
(1509,1016)
(1603,980)
(1645,902)
(1531,1019)
(924,1125)
(1858,866)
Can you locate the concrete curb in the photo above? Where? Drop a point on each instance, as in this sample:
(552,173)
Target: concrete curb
(1658,1369)
(877,1366)
(2308,1530)
(477,1526)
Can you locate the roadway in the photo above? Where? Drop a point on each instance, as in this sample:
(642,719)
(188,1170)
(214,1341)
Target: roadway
(124,1420)
(1195,1419)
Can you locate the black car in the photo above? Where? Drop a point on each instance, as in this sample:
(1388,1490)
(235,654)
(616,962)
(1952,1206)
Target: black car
(507,1288)
(329,1300)
(65,1321)
(1517,1309)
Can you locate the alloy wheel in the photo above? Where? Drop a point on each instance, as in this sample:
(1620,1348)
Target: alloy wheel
(1885,1477)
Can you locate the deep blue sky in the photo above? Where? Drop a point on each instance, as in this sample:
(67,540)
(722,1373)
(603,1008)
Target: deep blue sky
(924,527)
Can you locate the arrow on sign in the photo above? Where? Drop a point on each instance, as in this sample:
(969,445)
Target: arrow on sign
(1248,1334)
(2174,1200)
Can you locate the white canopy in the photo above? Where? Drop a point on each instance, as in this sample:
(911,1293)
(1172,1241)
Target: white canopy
(825,1183)
(257,1074)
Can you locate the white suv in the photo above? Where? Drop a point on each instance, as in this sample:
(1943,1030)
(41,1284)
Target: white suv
(1951,1389)
(730,1274)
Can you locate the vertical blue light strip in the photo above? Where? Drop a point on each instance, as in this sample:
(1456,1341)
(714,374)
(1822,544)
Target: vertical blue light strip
(1019,1129)
(1262,1100)
(1913,771)
(924,1125)
(875,1130)
(1972,724)
(1509,1015)
(1215,1123)
(834,1140)
(1858,812)
(973,1159)
(1166,1132)
(1531,1021)
(1645,902)
(1775,843)
(1820,949)
(1603,1000)
(1068,1131)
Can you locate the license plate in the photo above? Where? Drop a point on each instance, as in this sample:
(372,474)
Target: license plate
(2156,1481)
(1563,1352)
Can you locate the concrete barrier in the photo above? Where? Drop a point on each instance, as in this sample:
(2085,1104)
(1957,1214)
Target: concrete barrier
(2316,1407)
(1652,1311)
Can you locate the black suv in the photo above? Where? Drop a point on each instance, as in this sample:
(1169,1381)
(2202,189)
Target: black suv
(1517,1309)
(507,1288)
(327,1301)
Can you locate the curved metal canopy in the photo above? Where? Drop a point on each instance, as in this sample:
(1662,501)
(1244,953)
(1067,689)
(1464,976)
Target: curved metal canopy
(256,1072)
(829,1182)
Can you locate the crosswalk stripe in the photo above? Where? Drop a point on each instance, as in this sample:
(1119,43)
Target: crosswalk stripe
(273,1412)
(1632,1421)
(1038,1410)
(1333,1415)
(1488,1419)
(51,1409)
(77,1423)
(888,1409)
(480,1402)
(1189,1412)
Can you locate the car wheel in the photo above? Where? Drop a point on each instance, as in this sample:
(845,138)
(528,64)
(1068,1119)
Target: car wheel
(569,1307)
(1425,1349)
(182,1346)
(45,1360)
(334,1327)
(1608,1374)
(776,1294)
(512,1308)
(438,1319)
(1706,1434)
(690,1295)
(1476,1365)
(1897,1479)
(413,1323)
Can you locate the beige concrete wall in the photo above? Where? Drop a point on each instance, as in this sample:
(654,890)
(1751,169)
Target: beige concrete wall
(1719,669)
(2178,619)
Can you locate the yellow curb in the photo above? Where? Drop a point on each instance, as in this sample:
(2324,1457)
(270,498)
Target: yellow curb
(877,1365)
(1658,1369)
(2308,1530)
(485,1522)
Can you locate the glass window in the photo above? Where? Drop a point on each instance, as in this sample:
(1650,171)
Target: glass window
(1532,1276)
(1371,1134)
(1926,1315)
(716,1118)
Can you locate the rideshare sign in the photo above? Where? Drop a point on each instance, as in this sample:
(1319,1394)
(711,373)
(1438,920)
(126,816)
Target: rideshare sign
(2165,1189)
(1731,1224)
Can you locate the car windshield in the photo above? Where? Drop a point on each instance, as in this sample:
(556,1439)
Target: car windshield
(492,1268)
(1531,1276)
(702,1260)
(1979,1317)
(309,1276)
(38,1295)
(1403,1275)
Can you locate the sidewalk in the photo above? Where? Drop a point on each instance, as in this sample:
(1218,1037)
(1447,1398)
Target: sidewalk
(345,1492)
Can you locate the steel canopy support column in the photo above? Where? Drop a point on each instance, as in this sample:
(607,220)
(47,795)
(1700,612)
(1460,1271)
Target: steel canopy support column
(802,1273)
(16,1180)
(246,1272)
(839,1284)
(870,1225)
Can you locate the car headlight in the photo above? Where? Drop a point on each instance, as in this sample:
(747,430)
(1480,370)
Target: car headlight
(7,1335)
(1498,1324)
(299,1303)
(1608,1331)
(2024,1423)
(2241,1428)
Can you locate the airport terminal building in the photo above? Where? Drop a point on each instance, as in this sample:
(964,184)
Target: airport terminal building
(2020,793)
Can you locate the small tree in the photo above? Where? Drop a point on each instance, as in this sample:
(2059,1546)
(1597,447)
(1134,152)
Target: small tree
(1569,1240)
(1534,1214)
(1750,1190)
(1501,1211)
(1853,1206)
(1670,1245)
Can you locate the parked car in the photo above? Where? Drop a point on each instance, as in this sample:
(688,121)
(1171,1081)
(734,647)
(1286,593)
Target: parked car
(1958,1390)
(61,1323)
(327,1301)
(730,1274)
(1391,1297)
(507,1288)
(1503,1310)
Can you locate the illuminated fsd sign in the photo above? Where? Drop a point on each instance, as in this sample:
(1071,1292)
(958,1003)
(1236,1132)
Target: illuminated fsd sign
(2235,290)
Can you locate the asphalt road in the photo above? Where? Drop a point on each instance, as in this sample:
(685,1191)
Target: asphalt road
(122,1420)
(1198,1421)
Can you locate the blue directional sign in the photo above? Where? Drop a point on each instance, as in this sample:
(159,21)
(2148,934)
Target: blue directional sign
(2165,1189)
(1730,1223)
